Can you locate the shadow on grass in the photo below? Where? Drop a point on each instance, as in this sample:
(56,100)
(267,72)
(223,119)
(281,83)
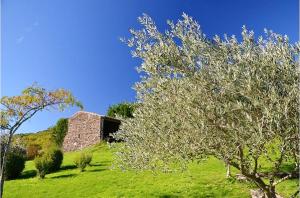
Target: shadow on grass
(64,176)
(68,167)
(28,174)
(168,196)
(33,173)
(103,163)
(96,170)
(193,194)
(99,165)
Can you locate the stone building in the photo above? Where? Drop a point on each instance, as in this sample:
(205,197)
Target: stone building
(86,129)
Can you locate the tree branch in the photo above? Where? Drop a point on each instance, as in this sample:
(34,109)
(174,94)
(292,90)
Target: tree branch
(295,194)
(282,179)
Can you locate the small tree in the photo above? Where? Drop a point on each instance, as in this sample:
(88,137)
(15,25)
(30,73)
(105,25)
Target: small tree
(124,110)
(235,100)
(43,165)
(82,160)
(57,158)
(59,131)
(16,110)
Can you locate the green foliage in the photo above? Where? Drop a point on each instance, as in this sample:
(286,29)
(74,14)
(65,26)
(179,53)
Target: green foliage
(82,160)
(57,158)
(43,164)
(59,131)
(223,97)
(33,99)
(45,139)
(42,139)
(15,163)
(32,151)
(49,161)
(124,110)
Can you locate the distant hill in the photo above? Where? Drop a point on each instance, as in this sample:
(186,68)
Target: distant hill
(42,138)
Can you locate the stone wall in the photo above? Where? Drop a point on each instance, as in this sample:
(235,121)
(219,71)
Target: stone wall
(84,129)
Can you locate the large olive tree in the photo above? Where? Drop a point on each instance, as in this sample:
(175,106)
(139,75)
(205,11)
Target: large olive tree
(16,110)
(234,99)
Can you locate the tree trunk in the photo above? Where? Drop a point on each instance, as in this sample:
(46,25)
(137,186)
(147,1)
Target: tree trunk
(259,193)
(1,185)
(228,172)
(2,167)
(268,190)
(271,192)
(3,161)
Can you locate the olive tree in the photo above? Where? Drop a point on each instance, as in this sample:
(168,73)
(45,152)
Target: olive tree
(234,99)
(16,110)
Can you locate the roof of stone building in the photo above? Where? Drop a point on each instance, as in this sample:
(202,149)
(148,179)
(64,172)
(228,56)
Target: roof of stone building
(95,114)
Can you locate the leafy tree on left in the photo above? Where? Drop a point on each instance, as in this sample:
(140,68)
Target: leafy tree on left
(16,110)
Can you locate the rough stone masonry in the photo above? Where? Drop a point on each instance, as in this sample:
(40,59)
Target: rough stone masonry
(86,129)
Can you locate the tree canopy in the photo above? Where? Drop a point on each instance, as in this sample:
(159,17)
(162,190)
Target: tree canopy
(124,110)
(236,100)
(59,131)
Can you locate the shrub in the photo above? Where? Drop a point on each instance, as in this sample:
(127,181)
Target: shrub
(15,163)
(57,157)
(59,131)
(43,165)
(32,151)
(82,160)
(88,159)
(49,161)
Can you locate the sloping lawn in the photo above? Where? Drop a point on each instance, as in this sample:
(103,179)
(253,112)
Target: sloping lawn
(201,180)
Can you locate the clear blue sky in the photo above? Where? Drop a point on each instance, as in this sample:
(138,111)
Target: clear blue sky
(74,44)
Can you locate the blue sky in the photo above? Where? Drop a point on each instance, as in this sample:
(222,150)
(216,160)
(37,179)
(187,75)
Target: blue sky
(73,44)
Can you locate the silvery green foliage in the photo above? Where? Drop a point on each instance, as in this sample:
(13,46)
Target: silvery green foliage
(233,99)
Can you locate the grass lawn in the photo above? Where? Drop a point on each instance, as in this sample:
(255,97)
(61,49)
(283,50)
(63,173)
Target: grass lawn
(201,180)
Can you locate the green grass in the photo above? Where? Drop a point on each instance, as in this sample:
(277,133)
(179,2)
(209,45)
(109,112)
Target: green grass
(200,180)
